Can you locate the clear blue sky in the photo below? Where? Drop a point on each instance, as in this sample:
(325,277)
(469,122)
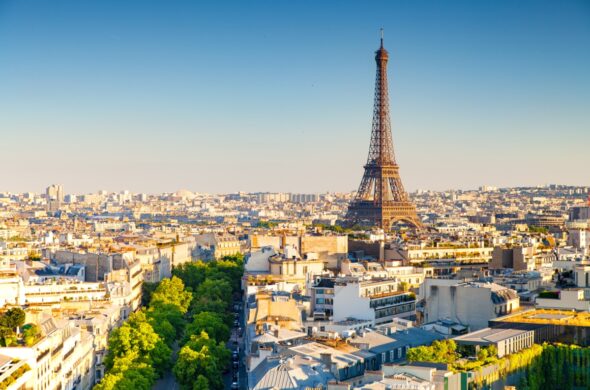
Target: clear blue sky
(155,96)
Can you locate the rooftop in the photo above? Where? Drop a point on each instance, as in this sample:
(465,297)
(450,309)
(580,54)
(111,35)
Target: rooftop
(490,335)
(549,316)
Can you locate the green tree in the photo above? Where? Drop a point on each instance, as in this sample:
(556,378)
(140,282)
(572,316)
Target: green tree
(201,356)
(7,336)
(170,313)
(192,364)
(136,338)
(171,291)
(441,351)
(128,377)
(482,354)
(201,384)
(31,335)
(108,382)
(147,289)
(192,274)
(211,323)
(13,318)
(164,329)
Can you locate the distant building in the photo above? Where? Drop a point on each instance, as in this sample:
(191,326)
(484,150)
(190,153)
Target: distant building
(506,340)
(520,258)
(211,246)
(55,197)
(343,363)
(468,303)
(568,299)
(550,325)
(582,275)
(55,192)
(391,347)
(580,213)
(377,300)
(62,359)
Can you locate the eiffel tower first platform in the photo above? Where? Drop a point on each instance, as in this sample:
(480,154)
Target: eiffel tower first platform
(381,199)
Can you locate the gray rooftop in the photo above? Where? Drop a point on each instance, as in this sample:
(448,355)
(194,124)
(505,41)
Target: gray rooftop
(490,335)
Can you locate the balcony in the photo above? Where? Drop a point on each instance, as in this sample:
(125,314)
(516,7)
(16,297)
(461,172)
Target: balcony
(392,300)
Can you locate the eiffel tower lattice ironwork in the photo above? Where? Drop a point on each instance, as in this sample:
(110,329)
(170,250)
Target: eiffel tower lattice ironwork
(381,199)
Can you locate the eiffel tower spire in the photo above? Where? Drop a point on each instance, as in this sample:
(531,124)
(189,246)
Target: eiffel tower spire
(381,199)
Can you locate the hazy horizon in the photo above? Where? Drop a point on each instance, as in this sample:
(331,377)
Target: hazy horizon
(154,97)
(111,191)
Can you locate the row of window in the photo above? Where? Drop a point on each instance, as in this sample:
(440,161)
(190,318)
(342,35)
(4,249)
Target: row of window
(391,311)
(394,355)
(322,301)
(378,302)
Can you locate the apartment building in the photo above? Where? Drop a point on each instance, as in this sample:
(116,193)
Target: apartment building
(62,359)
(378,300)
(468,303)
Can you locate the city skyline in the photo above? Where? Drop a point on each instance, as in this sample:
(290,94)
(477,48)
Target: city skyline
(278,98)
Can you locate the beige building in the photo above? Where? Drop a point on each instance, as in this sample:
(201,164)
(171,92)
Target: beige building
(62,359)
(274,310)
(215,246)
(331,249)
(414,253)
(582,275)
(569,299)
(506,340)
(521,258)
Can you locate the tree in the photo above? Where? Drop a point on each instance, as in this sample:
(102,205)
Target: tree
(159,312)
(147,289)
(137,339)
(192,274)
(202,355)
(13,318)
(164,329)
(482,354)
(193,364)
(211,323)
(31,335)
(171,291)
(201,384)
(135,376)
(217,348)
(441,351)
(7,336)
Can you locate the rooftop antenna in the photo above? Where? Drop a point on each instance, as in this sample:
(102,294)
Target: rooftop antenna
(381,36)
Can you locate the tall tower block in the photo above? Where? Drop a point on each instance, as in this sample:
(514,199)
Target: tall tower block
(381,199)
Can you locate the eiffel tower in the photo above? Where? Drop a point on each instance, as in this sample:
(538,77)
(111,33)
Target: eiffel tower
(381,199)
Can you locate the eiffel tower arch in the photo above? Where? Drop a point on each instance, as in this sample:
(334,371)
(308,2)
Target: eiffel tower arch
(381,199)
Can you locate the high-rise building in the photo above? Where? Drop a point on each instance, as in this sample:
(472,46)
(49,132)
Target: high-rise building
(55,192)
(381,199)
(55,197)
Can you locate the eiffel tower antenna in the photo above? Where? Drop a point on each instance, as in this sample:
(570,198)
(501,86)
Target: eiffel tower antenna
(381,199)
